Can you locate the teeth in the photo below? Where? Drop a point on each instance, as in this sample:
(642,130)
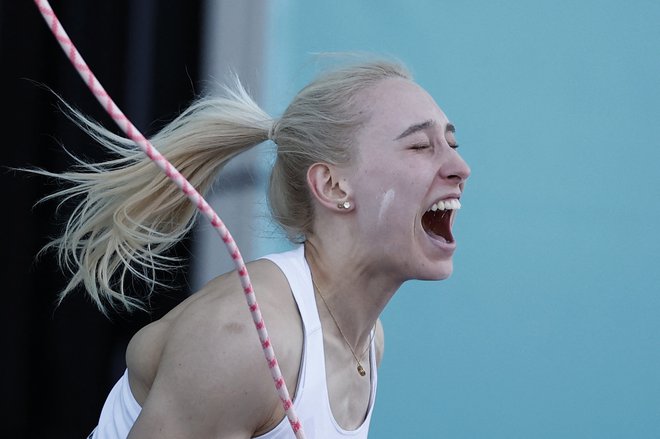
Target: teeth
(452,204)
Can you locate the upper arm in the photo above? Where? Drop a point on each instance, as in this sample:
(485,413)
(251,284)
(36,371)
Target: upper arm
(213,380)
(204,389)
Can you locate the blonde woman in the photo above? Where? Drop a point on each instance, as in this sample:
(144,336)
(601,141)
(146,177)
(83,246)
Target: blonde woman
(367,181)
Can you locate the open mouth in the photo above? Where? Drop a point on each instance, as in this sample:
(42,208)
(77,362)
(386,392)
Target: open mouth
(437,220)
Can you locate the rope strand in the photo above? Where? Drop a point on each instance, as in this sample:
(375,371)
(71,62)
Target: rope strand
(191,193)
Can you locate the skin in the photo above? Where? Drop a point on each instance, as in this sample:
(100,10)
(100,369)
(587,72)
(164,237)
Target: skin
(385,204)
(200,372)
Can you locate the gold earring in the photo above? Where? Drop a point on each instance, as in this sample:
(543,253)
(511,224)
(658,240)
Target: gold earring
(344,205)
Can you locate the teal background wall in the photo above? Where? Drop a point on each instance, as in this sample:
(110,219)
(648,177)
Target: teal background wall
(550,325)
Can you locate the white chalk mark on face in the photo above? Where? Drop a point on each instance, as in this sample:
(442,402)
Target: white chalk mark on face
(385,204)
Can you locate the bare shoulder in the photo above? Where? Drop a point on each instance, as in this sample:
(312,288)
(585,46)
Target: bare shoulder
(211,374)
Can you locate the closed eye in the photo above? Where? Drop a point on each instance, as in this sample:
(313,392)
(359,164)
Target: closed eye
(420,146)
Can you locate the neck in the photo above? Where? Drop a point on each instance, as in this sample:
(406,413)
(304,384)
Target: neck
(355,294)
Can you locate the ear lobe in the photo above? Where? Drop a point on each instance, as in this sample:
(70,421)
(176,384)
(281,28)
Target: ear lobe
(326,185)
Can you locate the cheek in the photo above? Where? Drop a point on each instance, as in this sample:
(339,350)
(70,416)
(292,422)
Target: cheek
(394,210)
(388,196)
(385,205)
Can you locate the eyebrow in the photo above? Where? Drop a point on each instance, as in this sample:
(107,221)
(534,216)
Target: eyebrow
(412,129)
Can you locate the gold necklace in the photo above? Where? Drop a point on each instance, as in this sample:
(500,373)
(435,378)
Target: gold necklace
(360,369)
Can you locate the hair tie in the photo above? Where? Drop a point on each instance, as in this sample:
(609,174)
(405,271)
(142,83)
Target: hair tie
(271,132)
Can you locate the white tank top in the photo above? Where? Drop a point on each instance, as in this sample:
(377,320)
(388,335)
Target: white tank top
(311,401)
(119,412)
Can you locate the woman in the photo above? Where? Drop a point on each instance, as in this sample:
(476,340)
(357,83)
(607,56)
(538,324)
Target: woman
(367,180)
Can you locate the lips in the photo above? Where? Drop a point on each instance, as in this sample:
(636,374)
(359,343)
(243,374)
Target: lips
(438,219)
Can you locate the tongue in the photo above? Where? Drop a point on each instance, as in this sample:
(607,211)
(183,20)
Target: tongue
(437,224)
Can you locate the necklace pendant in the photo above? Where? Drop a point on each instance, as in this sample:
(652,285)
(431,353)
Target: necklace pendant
(361,370)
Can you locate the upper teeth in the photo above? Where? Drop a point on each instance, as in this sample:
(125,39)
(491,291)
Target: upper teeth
(446,205)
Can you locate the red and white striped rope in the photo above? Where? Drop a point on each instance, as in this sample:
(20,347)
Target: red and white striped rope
(195,197)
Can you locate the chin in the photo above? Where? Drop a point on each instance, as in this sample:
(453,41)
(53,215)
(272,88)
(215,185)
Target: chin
(445,271)
(440,270)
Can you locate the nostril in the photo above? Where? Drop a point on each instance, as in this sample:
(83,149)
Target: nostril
(457,178)
(462,174)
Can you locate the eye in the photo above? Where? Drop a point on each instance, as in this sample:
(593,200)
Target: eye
(450,136)
(420,146)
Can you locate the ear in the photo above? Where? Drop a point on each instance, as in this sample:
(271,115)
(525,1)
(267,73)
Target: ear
(328,186)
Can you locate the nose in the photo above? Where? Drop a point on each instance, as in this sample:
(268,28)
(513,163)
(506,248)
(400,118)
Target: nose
(454,168)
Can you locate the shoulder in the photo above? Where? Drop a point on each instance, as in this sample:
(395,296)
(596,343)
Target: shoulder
(212,365)
(217,331)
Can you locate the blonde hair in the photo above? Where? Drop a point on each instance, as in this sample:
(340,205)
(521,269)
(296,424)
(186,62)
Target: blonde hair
(319,126)
(130,214)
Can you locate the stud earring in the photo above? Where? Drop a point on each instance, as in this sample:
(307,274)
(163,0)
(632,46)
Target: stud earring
(344,205)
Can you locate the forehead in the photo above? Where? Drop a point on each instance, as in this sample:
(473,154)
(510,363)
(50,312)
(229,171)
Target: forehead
(395,104)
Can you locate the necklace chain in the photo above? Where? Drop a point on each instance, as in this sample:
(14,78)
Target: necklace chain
(360,369)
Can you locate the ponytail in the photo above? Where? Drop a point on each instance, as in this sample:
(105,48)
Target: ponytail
(130,213)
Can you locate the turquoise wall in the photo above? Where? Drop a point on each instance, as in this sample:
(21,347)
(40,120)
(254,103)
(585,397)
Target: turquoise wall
(550,326)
